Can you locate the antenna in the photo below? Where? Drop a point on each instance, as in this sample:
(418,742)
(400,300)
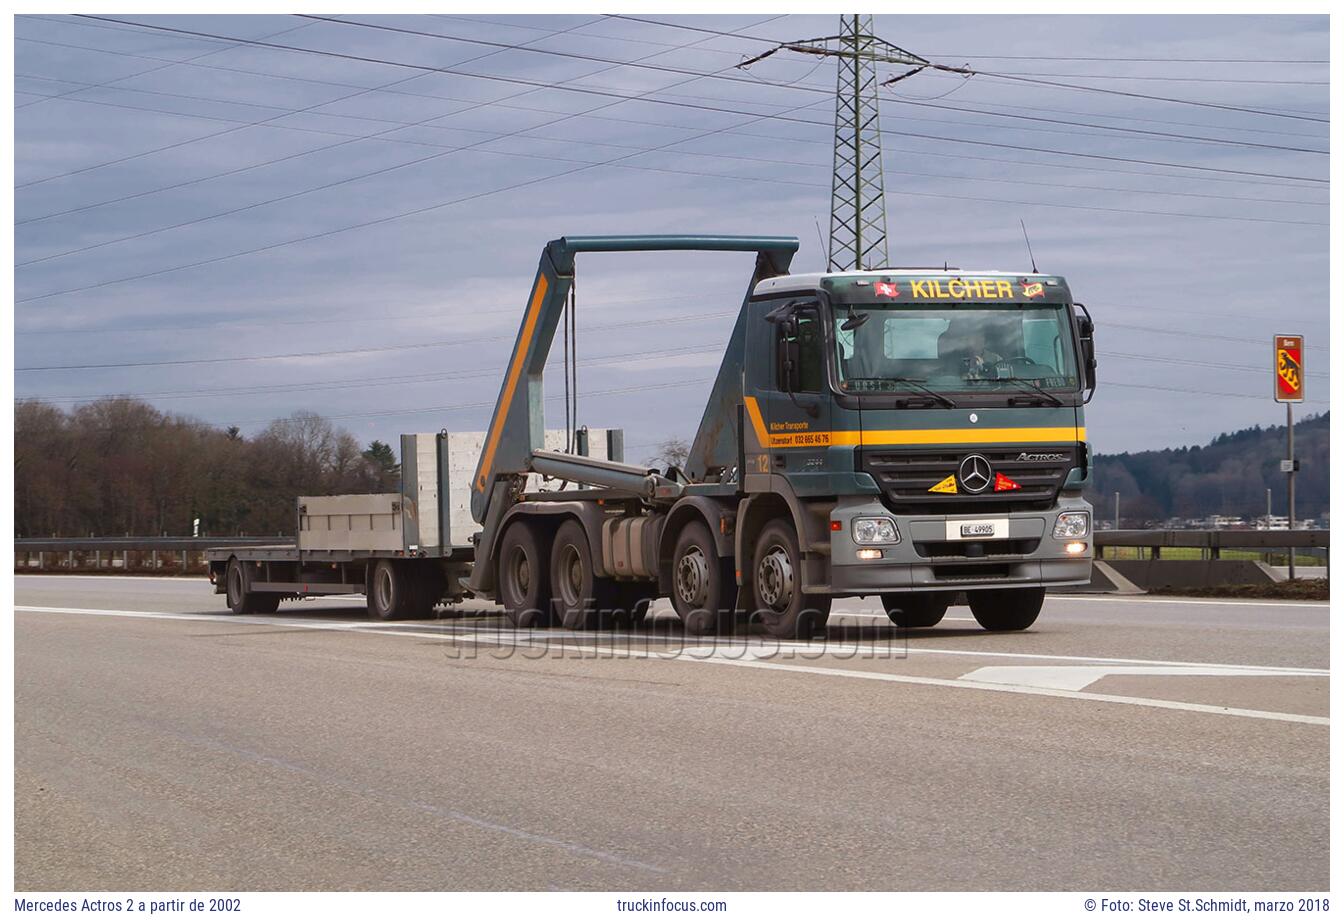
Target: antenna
(822,240)
(1028,239)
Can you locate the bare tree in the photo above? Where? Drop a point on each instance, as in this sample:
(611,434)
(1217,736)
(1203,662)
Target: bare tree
(670,452)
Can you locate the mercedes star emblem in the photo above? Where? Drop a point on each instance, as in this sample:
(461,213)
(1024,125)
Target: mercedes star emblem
(975,473)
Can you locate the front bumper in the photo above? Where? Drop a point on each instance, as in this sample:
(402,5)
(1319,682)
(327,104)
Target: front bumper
(924,560)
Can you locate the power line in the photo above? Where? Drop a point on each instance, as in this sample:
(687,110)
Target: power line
(492,370)
(166,66)
(291,77)
(475,196)
(1094,89)
(682,71)
(805,121)
(328,320)
(183,143)
(1118,76)
(696,74)
(382,136)
(375,349)
(495,136)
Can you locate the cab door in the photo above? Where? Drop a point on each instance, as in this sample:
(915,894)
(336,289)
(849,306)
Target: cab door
(797,411)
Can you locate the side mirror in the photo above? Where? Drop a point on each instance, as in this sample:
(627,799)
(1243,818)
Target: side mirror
(1088,343)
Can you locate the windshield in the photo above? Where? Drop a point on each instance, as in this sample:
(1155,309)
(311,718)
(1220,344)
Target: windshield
(956,347)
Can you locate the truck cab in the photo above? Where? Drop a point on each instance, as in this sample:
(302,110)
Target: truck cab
(934,421)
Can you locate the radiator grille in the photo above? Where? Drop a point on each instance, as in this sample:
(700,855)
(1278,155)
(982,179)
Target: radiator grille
(905,477)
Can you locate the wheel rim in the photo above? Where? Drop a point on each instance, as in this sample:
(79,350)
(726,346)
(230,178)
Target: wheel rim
(693,578)
(383,588)
(774,578)
(571,575)
(518,573)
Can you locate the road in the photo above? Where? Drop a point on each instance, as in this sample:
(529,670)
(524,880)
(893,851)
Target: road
(1121,744)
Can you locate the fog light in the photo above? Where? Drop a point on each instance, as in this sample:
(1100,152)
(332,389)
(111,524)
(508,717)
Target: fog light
(1074,549)
(870,554)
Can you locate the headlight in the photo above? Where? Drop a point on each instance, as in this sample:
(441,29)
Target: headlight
(875,530)
(1072,525)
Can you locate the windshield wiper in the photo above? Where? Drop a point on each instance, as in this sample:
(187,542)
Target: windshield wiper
(916,384)
(1034,386)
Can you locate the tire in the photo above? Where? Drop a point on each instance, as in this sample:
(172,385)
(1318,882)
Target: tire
(918,609)
(524,579)
(1006,609)
(390,591)
(704,589)
(581,599)
(784,610)
(241,600)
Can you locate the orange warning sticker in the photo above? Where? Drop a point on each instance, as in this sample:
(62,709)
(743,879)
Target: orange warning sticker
(948,486)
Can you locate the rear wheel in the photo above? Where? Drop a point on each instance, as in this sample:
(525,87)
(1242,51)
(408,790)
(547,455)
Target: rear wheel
(918,609)
(582,599)
(785,611)
(524,576)
(391,594)
(1005,609)
(704,590)
(241,599)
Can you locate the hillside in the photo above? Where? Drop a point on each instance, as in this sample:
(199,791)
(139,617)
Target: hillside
(1228,475)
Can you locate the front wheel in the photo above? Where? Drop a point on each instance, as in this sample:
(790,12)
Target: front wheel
(1006,609)
(917,609)
(785,611)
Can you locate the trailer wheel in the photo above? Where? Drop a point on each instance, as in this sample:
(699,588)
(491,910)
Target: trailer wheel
(785,611)
(242,601)
(524,577)
(1005,609)
(704,589)
(390,591)
(582,599)
(924,608)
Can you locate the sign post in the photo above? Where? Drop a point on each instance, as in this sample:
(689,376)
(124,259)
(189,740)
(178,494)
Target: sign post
(1289,374)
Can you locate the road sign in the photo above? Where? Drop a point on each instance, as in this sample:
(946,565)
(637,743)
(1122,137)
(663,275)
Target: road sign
(1288,369)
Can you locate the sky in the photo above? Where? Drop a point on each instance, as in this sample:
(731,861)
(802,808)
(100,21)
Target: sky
(238,232)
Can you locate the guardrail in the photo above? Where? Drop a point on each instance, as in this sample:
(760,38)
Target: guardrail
(1210,542)
(165,555)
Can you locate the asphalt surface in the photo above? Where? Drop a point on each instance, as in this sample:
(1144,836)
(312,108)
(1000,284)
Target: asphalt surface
(1121,744)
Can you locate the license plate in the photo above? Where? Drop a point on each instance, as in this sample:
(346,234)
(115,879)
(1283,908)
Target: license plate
(977,530)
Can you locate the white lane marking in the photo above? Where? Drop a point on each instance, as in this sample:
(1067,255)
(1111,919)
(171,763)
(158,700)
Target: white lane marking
(1077,677)
(1032,691)
(719,656)
(769,646)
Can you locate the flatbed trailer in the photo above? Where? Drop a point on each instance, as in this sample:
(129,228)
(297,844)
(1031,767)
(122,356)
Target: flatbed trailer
(905,434)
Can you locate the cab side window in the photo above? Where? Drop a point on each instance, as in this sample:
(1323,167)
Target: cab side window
(801,342)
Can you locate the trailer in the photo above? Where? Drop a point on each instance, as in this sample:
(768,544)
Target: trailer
(906,434)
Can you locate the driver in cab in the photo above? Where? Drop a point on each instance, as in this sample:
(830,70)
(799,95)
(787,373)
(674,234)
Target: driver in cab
(963,345)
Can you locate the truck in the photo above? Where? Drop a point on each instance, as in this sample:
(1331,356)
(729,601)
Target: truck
(913,435)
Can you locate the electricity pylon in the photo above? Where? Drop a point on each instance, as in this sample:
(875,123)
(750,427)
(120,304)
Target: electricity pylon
(858,202)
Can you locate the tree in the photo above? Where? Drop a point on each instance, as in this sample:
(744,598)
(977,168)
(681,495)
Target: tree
(670,452)
(384,463)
